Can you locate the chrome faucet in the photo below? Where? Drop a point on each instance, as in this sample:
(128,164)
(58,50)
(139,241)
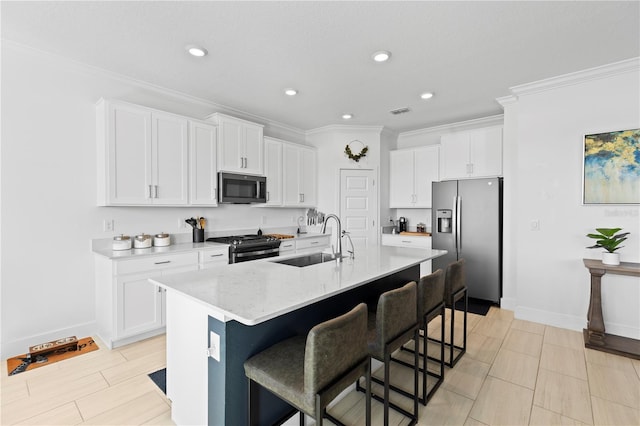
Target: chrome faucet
(338,254)
(352,252)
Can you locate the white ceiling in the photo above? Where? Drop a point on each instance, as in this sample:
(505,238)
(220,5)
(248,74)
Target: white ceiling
(468,53)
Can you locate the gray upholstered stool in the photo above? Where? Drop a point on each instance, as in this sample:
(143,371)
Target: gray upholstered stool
(392,325)
(309,373)
(455,288)
(430,306)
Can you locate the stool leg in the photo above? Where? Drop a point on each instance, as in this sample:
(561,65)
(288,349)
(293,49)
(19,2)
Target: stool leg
(442,342)
(319,413)
(453,322)
(301,418)
(416,368)
(424,360)
(387,361)
(251,394)
(368,394)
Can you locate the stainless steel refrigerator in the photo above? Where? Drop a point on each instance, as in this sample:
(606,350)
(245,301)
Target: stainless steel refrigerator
(466,220)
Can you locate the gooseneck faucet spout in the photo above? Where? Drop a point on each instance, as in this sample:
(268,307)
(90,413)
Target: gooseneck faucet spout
(338,254)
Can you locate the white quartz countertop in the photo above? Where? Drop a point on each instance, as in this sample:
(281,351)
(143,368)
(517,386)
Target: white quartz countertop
(103,247)
(154,251)
(254,292)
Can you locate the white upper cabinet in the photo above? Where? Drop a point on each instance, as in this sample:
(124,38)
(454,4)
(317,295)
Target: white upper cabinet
(203,153)
(273,170)
(240,145)
(472,154)
(411,173)
(142,155)
(299,176)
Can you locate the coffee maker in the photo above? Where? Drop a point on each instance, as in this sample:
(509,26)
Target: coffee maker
(402,224)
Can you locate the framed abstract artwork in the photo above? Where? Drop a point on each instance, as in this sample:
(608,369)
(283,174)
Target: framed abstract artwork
(611,168)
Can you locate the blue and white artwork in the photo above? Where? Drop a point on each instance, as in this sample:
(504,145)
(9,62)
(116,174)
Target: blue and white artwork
(612,168)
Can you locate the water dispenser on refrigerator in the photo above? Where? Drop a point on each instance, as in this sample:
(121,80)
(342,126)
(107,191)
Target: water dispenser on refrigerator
(443,217)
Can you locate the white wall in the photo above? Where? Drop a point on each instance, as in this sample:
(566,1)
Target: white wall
(331,142)
(544,127)
(49,213)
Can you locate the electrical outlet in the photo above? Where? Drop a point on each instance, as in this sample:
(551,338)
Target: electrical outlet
(108,225)
(182,224)
(214,346)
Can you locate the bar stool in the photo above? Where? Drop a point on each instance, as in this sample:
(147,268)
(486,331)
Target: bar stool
(455,288)
(430,305)
(309,373)
(392,325)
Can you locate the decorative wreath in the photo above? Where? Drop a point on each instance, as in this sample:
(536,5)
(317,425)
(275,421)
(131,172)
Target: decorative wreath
(355,157)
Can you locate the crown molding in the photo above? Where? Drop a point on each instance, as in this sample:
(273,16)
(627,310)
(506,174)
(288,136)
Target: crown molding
(344,127)
(604,71)
(277,126)
(493,120)
(507,100)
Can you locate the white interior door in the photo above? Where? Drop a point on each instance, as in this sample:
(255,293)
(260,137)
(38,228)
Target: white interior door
(359,207)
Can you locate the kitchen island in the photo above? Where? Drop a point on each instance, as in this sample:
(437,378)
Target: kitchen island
(239,310)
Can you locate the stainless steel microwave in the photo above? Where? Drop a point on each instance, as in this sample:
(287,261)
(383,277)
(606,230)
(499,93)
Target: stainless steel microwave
(241,189)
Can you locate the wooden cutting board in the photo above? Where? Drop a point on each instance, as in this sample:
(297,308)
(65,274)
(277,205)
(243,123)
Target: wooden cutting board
(416,234)
(280,236)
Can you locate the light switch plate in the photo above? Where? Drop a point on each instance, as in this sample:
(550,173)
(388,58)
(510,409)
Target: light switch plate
(214,346)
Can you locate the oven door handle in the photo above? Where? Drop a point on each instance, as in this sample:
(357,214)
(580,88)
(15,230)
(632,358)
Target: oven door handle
(258,253)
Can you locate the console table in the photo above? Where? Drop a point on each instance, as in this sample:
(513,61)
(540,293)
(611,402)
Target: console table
(594,335)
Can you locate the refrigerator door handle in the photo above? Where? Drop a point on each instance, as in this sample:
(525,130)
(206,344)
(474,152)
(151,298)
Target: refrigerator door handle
(458,223)
(454,223)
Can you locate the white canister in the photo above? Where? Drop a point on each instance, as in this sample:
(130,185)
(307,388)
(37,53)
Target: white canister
(121,242)
(161,240)
(142,241)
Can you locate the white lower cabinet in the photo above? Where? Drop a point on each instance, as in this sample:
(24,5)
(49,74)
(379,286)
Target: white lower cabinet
(128,307)
(212,258)
(408,241)
(287,246)
(313,244)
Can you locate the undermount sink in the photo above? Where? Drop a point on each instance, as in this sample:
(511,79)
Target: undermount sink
(307,259)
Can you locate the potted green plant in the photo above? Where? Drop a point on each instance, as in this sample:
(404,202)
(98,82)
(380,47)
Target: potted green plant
(610,240)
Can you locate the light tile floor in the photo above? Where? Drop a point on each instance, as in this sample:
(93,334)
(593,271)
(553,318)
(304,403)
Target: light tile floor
(514,373)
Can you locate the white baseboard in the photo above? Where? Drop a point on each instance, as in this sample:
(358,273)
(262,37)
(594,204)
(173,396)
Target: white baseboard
(508,303)
(21,346)
(572,322)
(554,319)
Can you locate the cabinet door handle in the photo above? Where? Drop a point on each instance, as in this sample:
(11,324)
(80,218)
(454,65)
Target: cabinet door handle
(267,195)
(155,188)
(162,263)
(150,196)
(214,194)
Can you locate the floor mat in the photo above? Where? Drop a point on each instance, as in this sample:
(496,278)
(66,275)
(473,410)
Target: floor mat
(22,363)
(160,379)
(476,306)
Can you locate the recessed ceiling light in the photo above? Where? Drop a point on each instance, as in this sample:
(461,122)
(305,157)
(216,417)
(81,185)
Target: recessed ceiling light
(197,50)
(426,95)
(347,116)
(381,56)
(290,92)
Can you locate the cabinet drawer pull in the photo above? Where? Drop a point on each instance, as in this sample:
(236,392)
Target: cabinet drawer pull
(408,242)
(163,262)
(315,242)
(216,255)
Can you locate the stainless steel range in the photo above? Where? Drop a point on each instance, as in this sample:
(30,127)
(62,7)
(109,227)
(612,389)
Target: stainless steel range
(243,248)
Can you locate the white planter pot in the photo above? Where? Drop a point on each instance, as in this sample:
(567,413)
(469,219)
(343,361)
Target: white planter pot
(610,258)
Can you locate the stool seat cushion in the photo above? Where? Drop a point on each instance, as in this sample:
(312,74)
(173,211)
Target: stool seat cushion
(430,294)
(280,369)
(325,362)
(454,281)
(395,313)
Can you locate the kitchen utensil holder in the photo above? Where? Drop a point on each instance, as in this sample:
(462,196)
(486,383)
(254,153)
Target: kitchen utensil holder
(198,235)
